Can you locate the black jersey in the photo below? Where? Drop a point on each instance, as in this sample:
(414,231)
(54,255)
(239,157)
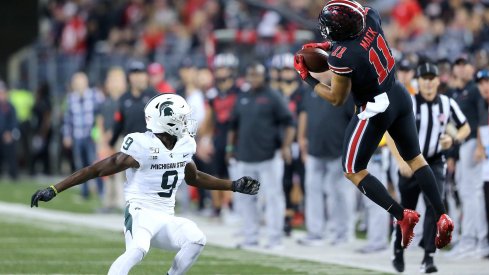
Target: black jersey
(222,104)
(367,60)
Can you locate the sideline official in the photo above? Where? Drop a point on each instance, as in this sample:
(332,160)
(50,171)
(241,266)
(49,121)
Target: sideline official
(432,112)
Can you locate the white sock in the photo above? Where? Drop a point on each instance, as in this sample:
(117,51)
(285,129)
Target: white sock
(185,258)
(126,261)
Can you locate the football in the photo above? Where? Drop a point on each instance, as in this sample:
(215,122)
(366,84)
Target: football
(315,59)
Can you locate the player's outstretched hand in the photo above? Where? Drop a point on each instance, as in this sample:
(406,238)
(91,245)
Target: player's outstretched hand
(43,195)
(246,185)
(324,45)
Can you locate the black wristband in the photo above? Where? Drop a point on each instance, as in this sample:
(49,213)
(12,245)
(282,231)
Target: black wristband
(311,81)
(233,186)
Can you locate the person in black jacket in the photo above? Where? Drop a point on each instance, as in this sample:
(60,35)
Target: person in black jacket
(129,117)
(257,120)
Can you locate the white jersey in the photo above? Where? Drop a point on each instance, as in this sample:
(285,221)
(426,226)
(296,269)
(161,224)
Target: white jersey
(155,183)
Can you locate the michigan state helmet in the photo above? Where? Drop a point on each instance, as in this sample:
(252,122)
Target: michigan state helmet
(169,113)
(341,20)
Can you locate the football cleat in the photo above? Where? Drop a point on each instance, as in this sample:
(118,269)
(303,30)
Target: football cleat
(444,228)
(428,266)
(398,260)
(407,224)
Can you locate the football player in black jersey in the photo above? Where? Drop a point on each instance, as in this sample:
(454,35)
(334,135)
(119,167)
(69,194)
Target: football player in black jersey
(362,63)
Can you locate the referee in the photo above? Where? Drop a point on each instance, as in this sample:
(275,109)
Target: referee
(432,112)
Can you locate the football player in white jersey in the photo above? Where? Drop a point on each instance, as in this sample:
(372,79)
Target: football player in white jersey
(156,162)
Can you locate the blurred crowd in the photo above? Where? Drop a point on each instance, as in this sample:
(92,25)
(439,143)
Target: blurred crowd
(255,116)
(96,34)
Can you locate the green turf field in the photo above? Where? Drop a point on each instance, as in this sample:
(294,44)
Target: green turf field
(70,200)
(30,247)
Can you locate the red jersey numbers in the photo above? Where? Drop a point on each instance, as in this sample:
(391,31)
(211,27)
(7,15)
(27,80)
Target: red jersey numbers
(374,59)
(338,52)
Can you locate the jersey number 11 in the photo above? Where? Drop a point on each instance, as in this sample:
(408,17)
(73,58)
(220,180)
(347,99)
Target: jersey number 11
(374,59)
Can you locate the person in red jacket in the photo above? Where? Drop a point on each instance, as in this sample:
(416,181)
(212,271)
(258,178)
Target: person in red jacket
(156,73)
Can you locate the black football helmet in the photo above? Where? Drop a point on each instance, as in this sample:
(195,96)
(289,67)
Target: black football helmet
(341,20)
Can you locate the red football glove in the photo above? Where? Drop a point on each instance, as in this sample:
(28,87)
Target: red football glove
(324,45)
(300,66)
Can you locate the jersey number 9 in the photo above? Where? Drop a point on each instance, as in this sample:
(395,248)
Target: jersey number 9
(168,187)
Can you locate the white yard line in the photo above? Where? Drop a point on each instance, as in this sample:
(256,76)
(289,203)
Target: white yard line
(222,235)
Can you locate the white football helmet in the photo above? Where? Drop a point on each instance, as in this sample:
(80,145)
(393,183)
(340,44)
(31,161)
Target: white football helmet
(169,113)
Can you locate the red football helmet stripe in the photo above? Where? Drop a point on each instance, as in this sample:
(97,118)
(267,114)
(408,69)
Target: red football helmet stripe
(351,4)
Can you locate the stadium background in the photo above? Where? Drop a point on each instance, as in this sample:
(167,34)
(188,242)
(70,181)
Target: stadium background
(46,42)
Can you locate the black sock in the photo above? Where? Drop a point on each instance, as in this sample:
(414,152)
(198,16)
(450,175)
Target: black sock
(426,180)
(371,187)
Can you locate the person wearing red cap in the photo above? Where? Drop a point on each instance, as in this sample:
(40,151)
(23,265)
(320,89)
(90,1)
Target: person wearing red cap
(156,73)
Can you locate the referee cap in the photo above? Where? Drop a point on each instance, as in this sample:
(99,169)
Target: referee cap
(481,74)
(405,65)
(427,69)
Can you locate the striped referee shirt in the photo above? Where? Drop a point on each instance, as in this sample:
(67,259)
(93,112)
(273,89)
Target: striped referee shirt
(432,119)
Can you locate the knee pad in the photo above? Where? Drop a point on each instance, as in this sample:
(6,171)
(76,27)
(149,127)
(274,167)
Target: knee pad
(194,234)
(141,240)
(199,238)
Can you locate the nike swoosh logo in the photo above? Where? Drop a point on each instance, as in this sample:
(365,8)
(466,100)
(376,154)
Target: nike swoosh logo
(185,155)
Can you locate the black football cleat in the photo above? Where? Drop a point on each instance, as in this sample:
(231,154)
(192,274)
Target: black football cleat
(428,266)
(398,260)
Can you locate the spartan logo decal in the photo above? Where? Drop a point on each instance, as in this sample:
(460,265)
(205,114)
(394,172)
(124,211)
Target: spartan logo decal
(165,108)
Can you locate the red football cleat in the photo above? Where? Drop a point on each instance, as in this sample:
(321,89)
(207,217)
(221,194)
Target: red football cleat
(444,230)
(407,224)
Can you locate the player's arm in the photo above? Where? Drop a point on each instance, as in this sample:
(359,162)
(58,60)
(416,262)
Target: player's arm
(336,94)
(116,163)
(194,177)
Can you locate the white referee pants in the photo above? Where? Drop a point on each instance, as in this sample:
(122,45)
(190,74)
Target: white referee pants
(470,187)
(269,173)
(325,183)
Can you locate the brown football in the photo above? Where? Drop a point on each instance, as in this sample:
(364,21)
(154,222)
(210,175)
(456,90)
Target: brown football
(316,59)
